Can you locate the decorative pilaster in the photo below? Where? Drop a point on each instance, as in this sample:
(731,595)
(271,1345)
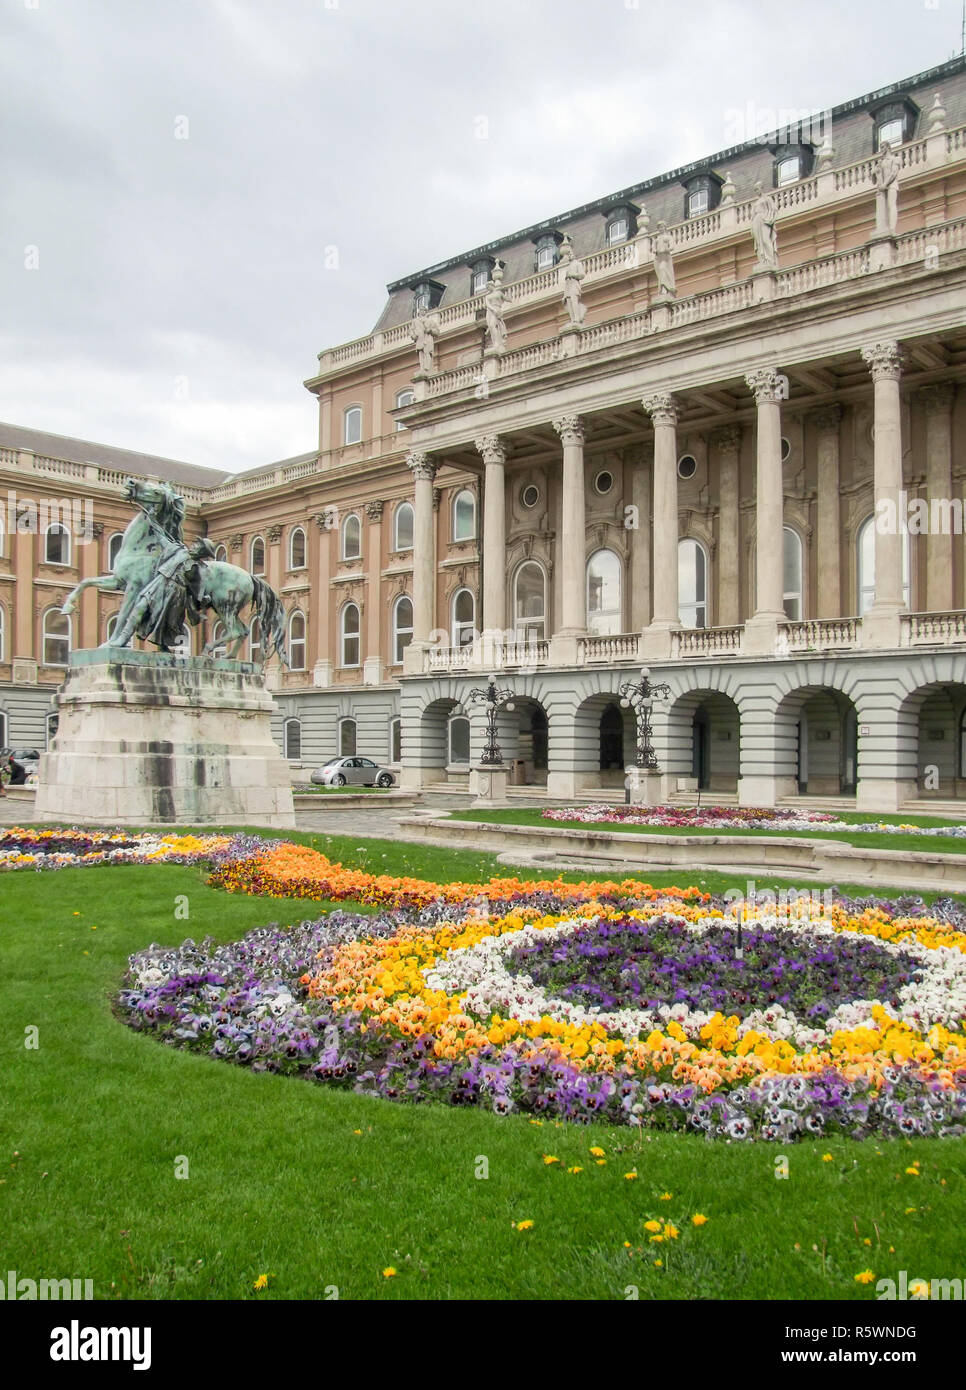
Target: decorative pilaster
(827,420)
(768,386)
(665,617)
(727,441)
(372,666)
(423,467)
(573,530)
(493,451)
(938,403)
(880,626)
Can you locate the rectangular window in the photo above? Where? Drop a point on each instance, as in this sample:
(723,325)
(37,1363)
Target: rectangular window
(789,170)
(697,202)
(617,230)
(891,131)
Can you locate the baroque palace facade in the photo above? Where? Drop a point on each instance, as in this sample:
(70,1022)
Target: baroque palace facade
(680,427)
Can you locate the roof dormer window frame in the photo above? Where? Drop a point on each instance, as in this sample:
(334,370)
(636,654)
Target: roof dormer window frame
(481,273)
(546,250)
(884,116)
(616,214)
(427,295)
(802,153)
(702,193)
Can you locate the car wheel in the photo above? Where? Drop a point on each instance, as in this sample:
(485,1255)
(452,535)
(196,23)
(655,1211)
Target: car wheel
(340,780)
(384,780)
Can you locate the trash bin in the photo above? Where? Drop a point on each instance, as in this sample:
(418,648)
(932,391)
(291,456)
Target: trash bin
(519,772)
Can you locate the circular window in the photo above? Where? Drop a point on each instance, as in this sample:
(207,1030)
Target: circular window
(530,495)
(687,466)
(604,481)
(786,448)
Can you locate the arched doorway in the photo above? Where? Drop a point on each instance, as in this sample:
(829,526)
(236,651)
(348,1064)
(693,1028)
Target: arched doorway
(703,737)
(816,742)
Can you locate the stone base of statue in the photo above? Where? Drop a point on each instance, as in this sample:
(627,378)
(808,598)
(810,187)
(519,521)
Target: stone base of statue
(644,786)
(147,738)
(489,782)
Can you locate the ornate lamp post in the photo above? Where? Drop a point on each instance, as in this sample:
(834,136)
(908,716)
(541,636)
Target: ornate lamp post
(639,696)
(493,699)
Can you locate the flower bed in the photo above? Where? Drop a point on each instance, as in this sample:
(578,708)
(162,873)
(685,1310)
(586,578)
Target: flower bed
(22,848)
(737,818)
(846,1019)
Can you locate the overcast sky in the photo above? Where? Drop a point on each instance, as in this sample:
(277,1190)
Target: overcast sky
(170,294)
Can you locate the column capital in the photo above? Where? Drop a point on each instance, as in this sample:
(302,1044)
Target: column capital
(826,417)
(768,385)
(492,448)
(570,428)
(662,408)
(884,360)
(423,465)
(727,438)
(374,510)
(938,397)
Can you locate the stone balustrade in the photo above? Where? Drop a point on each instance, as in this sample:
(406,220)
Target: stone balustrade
(706,642)
(822,187)
(932,629)
(822,634)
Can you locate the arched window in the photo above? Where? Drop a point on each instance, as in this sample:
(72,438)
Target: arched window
(604,593)
(351,538)
(257,556)
(395,740)
(402,627)
(56,634)
(350,634)
(296,641)
(113,548)
(57,544)
(220,648)
(3,635)
(464,516)
(530,602)
(402,533)
(292,736)
(352,420)
(347,738)
(221,553)
(296,549)
(865,566)
(692,584)
(255,641)
(404,398)
(464,618)
(792,575)
(459,739)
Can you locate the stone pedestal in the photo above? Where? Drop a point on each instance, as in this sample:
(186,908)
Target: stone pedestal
(147,738)
(489,781)
(645,786)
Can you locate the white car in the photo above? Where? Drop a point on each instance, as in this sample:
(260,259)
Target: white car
(352,772)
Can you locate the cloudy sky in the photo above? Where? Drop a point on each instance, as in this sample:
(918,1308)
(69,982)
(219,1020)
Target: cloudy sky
(176,174)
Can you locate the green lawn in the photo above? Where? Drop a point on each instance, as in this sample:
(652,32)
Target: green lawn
(931,844)
(93,1122)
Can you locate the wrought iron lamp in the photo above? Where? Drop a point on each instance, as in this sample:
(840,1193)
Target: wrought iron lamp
(640,696)
(493,698)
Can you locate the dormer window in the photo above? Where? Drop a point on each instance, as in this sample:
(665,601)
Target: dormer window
(621,222)
(547,250)
(702,194)
(895,122)
(481,272)
(426,296)
(792,162)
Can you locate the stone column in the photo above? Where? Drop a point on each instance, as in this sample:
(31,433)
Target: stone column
(424,557)
(728,444)
(829,523)
(665,617)
(372,666)
(761,630)
(493,450)
(938,402)
(638,464)
(880,626)
(573,531)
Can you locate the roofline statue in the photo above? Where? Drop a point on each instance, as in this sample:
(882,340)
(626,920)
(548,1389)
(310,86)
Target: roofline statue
(167,582)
